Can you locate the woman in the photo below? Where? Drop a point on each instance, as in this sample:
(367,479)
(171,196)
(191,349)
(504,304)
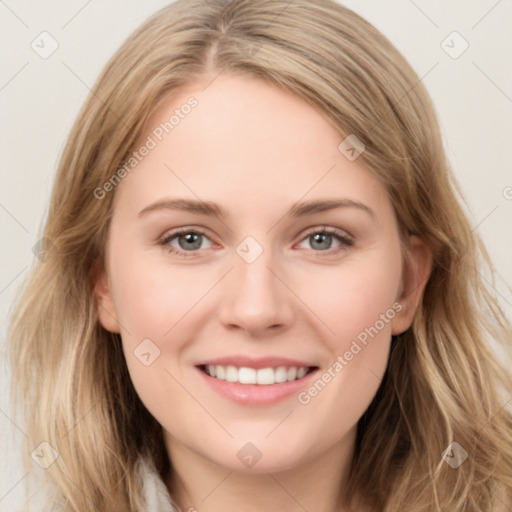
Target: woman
(191,339)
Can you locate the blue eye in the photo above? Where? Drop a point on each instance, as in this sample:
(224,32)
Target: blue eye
(189,241)
(321,240)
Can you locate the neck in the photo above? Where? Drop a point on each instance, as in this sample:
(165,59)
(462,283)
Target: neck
(199,484)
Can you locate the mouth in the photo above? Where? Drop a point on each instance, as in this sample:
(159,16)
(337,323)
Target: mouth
(256,381)
(247,375)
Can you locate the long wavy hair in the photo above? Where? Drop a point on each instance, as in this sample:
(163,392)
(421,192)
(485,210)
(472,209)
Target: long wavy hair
(444,382)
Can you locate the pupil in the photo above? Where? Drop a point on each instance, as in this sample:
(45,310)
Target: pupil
(319,238)
(190,238)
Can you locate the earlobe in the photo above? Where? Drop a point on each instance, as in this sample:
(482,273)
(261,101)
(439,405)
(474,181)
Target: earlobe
(107,314)
(416,272)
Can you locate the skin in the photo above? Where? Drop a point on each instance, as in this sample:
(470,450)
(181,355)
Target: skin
(255,150)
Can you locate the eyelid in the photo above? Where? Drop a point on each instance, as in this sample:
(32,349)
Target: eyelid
(329,230)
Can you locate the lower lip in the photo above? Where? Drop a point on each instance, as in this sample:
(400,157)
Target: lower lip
(255,394)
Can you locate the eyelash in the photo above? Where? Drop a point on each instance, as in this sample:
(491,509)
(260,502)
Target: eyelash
(345,241)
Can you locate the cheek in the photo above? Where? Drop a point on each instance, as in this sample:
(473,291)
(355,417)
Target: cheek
(154,305)
(152,299)
(158,306)
(358,303)
(352,298)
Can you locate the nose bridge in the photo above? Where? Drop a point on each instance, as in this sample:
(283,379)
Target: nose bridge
(255,283)
(256,299)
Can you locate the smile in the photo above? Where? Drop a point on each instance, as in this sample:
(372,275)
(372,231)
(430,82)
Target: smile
(262,376)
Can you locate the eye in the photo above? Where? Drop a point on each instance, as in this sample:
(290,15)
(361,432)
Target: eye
(322,240)
(184,242)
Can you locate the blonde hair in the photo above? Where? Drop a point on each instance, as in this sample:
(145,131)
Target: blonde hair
(443,381)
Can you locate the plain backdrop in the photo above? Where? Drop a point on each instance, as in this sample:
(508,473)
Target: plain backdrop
(39,99)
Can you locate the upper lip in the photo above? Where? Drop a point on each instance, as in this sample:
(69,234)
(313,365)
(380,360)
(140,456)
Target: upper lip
(255,362)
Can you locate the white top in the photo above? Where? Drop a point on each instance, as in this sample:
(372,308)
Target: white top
(156,493)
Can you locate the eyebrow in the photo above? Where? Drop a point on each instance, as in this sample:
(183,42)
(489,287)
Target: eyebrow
(209,208)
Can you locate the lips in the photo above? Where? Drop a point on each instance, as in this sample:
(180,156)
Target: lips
(251,379)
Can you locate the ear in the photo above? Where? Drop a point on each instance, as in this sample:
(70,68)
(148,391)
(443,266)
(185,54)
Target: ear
(415,275)
(105,303)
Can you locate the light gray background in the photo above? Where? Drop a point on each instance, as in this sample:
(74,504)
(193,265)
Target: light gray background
(39,99)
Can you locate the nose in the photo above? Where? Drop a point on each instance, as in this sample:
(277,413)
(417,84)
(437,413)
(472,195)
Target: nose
(256,297)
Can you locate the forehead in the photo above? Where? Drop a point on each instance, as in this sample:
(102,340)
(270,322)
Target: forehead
(245,141)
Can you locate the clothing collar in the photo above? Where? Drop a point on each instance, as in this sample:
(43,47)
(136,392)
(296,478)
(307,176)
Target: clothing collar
(155,492)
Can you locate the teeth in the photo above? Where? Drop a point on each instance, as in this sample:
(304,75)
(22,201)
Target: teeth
(220,372)
(247,376)
(301,372)
(280,374)
(291,374)
(262,376)
(231,374)
(265,376)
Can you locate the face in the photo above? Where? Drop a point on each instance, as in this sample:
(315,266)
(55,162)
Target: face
(256,277)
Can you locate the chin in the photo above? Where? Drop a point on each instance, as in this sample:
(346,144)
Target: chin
(261,457)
